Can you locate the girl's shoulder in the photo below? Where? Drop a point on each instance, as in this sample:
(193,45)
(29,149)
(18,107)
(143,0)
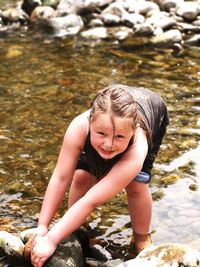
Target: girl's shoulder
(140,143)
(78,129)
(81,121)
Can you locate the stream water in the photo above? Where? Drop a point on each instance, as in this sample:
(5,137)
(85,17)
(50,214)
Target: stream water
(45,82)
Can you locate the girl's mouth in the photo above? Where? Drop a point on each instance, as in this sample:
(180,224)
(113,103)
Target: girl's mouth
(106,152)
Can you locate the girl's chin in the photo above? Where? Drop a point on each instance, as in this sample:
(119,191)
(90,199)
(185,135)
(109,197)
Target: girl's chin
(106,154)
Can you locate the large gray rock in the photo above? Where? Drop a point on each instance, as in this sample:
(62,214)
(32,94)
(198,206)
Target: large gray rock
(169,255)
(69,252)
(167,38)
(62,26)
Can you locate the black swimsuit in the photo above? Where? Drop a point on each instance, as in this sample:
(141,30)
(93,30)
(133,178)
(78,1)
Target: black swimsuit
(152,107)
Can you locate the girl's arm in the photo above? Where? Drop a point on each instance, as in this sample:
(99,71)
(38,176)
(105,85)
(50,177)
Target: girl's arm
(73,142)
(117,179)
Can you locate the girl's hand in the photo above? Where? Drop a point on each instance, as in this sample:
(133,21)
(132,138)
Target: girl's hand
(42,249)
(40,230)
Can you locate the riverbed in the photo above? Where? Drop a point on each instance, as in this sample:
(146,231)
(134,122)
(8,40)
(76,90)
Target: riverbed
(45,82)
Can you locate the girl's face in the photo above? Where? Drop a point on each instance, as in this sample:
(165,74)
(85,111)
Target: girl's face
(107,139)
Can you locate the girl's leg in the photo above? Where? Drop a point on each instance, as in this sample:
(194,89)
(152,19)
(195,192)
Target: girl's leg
(81,183)
(140,209)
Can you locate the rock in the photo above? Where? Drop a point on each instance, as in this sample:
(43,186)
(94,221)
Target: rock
(169,255)
(92,4)
(193,41)
(144,29)
(95,33)
(62,26)
(66,7)
(13,15)
(143,7)
(115,9)
(133,19)
(95,263)
(26,234)
(160,19)
(170,179)
(11,245)
(96,23)
(188,10)
(167,38)
(68,253)
(42,13)
(122,34)
(168,21)
(169,4)
(29,5)
(110,19)
(52,3)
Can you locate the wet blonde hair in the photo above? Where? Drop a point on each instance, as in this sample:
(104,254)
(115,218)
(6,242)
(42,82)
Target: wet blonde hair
(116,100)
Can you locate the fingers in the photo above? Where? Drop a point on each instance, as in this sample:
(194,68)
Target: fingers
(33,241)
(28,247)
(38,262)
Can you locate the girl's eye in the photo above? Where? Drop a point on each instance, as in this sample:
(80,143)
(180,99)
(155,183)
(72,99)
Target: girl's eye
(119,136)
(101,133)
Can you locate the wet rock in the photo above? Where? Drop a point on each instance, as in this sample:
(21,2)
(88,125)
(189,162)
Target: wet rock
(158,194)
(68,253)
(194,187)
(170,179)
(42,13)
(170,254)
(96,23)
(11,245)
(161,20)
(145,29)
(164,19)
(167,38)
(52,3)
(122,34)
(95,33)
(115,9)
(95,263)
(62,26)
(193,41)
(170,4)
(29,5)
(143,7)
(13,15)
(133,19)
(66,7)
(109,19)
(92,4)
(188,10)
(167,20)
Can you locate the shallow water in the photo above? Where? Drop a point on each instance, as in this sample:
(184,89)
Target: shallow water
(45,82)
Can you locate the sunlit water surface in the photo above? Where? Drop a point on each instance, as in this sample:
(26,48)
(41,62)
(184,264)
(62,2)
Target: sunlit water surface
(45,82)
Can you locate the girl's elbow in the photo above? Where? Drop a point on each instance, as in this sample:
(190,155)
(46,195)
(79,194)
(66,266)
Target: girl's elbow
(91,204)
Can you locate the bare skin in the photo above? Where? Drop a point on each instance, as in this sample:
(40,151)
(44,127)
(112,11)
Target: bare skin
(84,199)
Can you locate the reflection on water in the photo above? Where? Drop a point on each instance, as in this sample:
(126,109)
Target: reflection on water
(44,83)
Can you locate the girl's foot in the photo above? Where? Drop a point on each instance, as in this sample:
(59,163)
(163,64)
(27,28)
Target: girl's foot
(138,243)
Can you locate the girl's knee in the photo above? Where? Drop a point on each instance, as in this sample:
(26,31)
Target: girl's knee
(82,178)
(136,189)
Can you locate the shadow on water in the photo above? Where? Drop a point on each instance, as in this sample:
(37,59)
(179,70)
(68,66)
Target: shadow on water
(45,82)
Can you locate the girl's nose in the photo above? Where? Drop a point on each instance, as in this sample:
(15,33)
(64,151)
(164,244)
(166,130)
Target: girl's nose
(108,142)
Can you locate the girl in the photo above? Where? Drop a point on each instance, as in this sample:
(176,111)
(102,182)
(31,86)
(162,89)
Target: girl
(108,148)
